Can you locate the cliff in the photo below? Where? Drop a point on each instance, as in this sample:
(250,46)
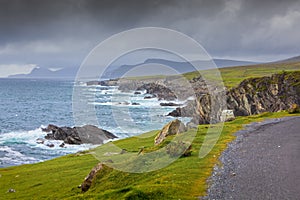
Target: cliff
(266,94)
(252,96)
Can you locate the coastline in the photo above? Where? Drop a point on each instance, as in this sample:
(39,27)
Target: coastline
(67,172)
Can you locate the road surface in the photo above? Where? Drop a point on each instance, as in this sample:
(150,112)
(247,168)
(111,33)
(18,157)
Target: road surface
(262,163)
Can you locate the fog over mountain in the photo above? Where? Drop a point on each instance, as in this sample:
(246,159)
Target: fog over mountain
(61,33)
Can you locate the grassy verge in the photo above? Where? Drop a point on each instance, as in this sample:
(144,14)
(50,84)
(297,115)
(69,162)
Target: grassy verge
(183,179)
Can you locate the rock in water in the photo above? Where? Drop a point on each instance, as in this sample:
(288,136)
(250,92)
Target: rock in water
(170,104)
(85,186)
(50,145)
(92,134)
(172,128)
(78,135)
(40,141)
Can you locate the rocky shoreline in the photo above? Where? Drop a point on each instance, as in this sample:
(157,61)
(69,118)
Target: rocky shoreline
(252,96)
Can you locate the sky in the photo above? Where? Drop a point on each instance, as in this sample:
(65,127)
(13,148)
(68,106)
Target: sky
(60,33)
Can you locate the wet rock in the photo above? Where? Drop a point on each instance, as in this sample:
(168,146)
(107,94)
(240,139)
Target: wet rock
(137,92)
(170,104)
(50,145)
(40,141)
(149,97)
(78,135)
(135,104)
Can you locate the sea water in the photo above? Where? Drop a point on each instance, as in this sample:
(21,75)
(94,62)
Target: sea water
(27,105)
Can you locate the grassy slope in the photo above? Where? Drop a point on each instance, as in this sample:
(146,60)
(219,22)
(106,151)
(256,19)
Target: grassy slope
(59,178)
(232,76)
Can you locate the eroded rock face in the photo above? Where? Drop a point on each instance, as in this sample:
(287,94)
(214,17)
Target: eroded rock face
(78,135)
(266,94)
(252,96)
(172,128)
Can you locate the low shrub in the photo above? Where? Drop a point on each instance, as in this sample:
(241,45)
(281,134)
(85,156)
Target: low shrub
(294,108)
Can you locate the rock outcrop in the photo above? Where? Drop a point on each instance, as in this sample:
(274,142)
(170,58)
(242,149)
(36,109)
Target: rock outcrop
(85,186)
(172,128)
(266,94)
(78,135)
(253,96)
(160,91)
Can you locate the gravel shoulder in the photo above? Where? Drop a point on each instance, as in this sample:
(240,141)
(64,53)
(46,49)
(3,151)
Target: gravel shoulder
(262,163)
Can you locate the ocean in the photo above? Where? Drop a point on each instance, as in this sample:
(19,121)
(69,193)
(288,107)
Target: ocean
(27,105)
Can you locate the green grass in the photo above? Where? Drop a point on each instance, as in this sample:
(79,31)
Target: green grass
(183,179)
(232,76)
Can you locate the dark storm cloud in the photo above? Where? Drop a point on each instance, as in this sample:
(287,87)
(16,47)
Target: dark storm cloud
(62,32)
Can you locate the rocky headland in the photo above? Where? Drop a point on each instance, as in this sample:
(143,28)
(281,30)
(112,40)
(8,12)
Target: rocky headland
(252,96)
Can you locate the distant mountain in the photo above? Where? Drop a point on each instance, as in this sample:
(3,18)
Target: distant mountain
(180,67)
(119,71)
(292,59)
(231,63)
(40,73)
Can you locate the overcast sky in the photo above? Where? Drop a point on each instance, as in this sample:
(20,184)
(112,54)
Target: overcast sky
(60,33)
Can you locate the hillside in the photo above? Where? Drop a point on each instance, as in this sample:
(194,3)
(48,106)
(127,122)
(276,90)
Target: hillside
(290,60)
(179,67)
(232,76)
(183,179)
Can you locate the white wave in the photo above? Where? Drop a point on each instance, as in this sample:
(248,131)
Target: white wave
(80,83)
(29,138)
(15,157)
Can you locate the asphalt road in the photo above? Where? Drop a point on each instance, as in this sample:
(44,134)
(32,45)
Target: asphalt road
(262,163)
